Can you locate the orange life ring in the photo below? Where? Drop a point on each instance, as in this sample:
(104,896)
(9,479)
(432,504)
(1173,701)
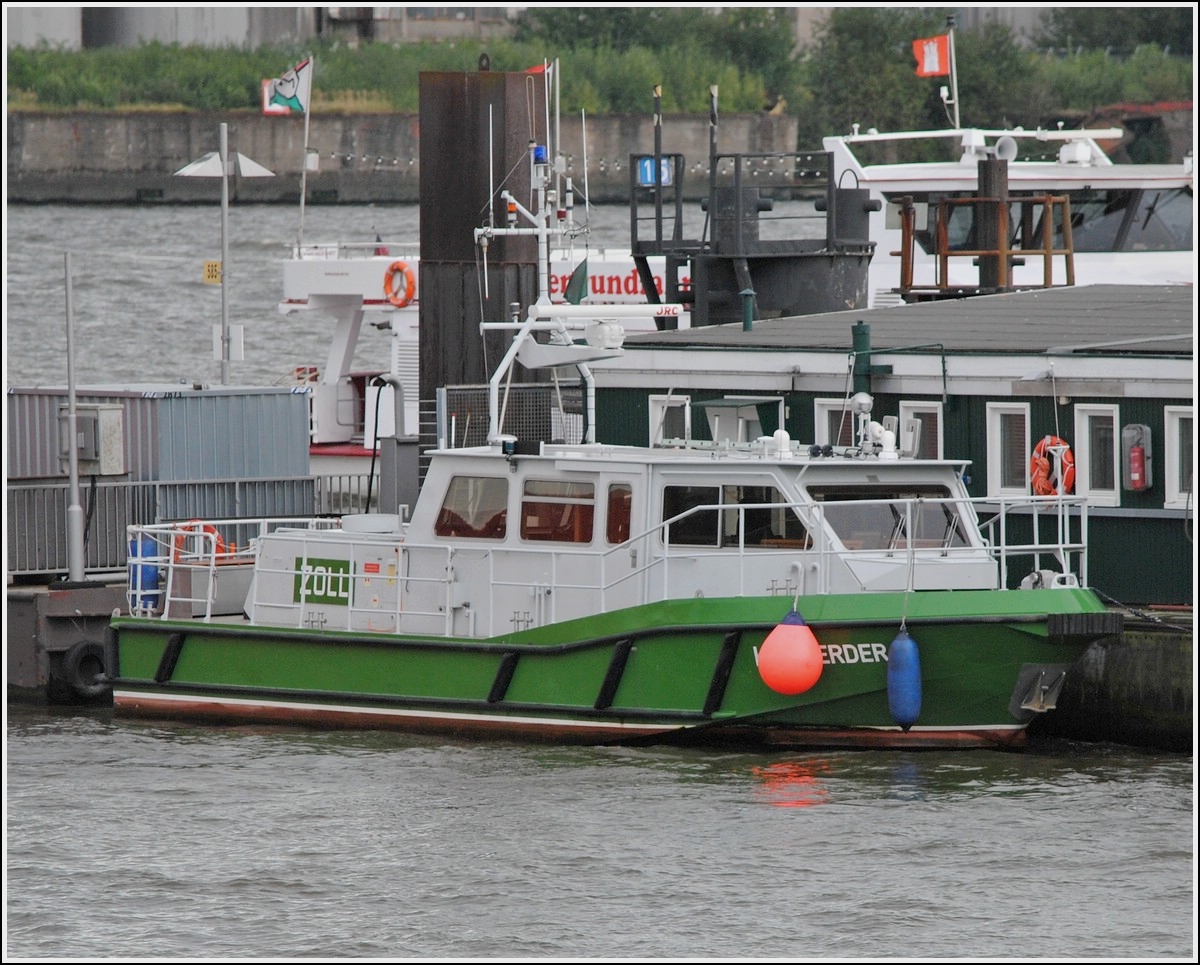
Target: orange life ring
(392,291)
(196,527)
(1044,480)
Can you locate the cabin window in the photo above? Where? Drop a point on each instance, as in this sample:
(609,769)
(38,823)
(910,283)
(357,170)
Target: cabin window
(887,517)
(1008,448)
(475,507)
(1127,220)
(698,528)
(763,511)
(1101,220)
(833,422)
(927,434)
(620,512)
(1097,470)
(670,418)
(558,511)
(1179,458)
(1163,222)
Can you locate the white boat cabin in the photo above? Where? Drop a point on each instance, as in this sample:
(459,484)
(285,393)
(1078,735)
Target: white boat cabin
(502,540)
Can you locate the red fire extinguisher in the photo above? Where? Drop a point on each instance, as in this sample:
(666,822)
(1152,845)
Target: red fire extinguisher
(1137,466)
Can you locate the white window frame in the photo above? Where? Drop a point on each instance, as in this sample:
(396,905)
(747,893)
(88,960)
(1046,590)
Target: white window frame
(914,410)
(1174,497)
(1083,461)
(822,409)
(995,412)
(658,405)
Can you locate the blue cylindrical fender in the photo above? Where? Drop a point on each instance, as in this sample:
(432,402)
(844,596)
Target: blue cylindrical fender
(904,680)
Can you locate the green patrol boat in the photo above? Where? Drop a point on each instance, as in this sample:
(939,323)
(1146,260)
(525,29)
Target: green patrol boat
(746,592)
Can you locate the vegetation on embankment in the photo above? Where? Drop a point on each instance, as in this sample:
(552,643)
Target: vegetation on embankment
(858,69)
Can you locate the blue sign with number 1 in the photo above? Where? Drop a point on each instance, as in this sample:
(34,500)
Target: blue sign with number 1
(646,171)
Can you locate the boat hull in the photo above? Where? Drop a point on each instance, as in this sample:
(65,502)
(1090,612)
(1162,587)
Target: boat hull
(679,671)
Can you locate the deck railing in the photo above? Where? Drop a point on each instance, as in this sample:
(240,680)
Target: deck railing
(36,513)
(1050,538)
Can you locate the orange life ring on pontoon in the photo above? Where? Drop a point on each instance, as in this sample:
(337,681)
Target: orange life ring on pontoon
(198,528)
(392,290)
(1043,478)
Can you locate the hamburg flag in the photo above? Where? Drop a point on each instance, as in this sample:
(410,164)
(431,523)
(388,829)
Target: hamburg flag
(933,56)
(576,289)
(291,93)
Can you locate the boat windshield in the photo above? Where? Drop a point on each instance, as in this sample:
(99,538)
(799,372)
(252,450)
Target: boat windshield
(1102,220)
(879,517)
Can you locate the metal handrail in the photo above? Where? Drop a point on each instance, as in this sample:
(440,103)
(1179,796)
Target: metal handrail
(37,512)
(990,540)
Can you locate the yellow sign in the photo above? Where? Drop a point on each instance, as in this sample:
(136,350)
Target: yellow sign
(212,273)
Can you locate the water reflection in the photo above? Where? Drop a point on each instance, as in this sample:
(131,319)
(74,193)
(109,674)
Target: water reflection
(792,784)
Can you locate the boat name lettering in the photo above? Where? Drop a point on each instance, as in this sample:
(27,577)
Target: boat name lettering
(629,284)
(322,581)
(853,653)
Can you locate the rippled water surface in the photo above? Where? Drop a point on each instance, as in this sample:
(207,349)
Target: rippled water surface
(141,309)
(132,839)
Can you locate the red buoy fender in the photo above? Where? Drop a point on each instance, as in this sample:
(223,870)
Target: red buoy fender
(1041,469)
(790,659)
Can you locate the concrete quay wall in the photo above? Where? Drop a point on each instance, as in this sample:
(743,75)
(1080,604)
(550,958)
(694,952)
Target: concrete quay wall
(1137,689)
(126,158)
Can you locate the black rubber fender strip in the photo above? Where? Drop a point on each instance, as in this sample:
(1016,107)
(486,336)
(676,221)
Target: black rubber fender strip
(170,657)
(721,672)
(616,670)
(504,676)
(1104,623)
(112,653)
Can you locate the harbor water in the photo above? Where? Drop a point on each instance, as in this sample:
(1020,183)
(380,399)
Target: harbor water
(142,310)
(134,840)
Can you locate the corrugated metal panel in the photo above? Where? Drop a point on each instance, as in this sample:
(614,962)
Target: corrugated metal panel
(33,431)
(222,436)
(172,434)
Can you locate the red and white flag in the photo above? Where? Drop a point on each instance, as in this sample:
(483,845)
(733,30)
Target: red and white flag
(933,56)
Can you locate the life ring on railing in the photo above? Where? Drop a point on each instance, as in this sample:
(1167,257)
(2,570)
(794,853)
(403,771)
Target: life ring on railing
(202,529)
(392,290)
(1043,477)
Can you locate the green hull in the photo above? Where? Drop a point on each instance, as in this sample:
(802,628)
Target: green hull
(678,670)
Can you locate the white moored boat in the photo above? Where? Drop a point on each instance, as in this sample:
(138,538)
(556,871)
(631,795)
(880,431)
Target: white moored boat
(1130,223)
(380,283)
